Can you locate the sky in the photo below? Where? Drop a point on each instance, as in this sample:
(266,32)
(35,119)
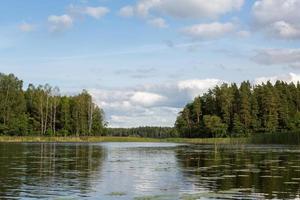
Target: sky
(143,60)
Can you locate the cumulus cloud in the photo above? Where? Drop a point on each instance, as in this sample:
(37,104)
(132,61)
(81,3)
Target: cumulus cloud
(26,27)
(185,9)
(209,31)
(267,11)
(280,18)
(189,9)
(127,11)
(199,8)
(196,87)
(95,12)
(277,56)
(60,23)
(146,98)
(153,104)
(284,29)
(289,78)
(158,22)
(156,116)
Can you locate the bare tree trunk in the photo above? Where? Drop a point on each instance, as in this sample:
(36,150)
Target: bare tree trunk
(41,114)
(55,92)
(51,117)
(91,110)
(46,115)
(54,115)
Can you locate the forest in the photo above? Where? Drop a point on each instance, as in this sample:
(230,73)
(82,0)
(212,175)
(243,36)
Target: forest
(230,110)
(43,111)
(147,131)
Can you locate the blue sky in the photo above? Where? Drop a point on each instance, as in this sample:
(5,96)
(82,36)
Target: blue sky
(143,60)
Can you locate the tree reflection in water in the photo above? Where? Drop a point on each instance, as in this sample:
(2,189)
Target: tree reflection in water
(271,172)
(100,171)
(47,169)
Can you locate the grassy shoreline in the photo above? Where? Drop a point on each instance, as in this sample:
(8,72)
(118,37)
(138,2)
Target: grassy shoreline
(121,139)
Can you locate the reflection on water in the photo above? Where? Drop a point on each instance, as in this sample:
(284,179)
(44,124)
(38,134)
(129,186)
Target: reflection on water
(45,170)
(240,172)
(148,171)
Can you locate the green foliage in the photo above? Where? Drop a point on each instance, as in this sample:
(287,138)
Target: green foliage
(12,105)
(214,125)
(229,110)
(43,111)
(150,132)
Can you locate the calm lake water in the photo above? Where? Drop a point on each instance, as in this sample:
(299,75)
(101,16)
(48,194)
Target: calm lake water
(148,171)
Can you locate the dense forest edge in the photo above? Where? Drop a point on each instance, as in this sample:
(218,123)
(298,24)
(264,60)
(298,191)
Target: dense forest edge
(267,113)
(230,110)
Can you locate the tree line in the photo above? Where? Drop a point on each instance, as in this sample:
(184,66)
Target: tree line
(43,111)
(232,110)
(147,131)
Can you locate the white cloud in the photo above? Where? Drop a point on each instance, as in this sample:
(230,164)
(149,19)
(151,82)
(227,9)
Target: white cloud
(26,27)
(146,98)
(158,22)
(209,31)
(268,11)
(280,18)
(243,34)
(60,23)
(196,87)
(289,78)
(154,104)
(79,11)
(96,12)
(127,11)
(186,9)
(155,116)
(283,29)
(194,9)
(199,8)
(277,56)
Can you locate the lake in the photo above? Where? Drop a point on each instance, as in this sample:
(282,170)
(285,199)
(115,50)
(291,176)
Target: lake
(148,171)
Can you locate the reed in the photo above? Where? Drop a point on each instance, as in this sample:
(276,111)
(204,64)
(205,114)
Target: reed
(92,139)
(292,138)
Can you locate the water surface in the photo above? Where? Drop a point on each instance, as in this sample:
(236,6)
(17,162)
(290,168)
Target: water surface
(142,171)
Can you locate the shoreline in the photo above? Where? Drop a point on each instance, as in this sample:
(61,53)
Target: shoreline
(99,139)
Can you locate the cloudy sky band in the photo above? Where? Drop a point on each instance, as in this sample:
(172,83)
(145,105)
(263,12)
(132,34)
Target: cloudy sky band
(160,53)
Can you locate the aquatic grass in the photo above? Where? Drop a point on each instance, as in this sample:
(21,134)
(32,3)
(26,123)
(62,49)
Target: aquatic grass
(117,194)
(153,197)
(259,138)
(207,140)
(292,138)
(94,139)
(74,139)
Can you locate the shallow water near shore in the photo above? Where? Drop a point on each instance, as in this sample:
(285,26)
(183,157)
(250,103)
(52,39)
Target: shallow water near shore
(152,171)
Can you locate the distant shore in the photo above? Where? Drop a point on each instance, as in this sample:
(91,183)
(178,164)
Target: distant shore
(92,139)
